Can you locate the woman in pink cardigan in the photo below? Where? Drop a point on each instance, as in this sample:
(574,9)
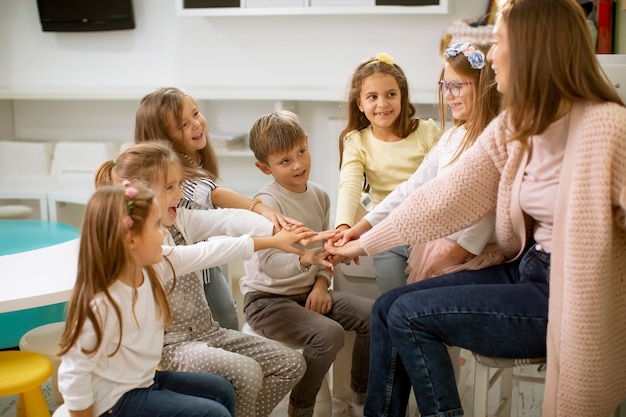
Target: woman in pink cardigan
(553,166)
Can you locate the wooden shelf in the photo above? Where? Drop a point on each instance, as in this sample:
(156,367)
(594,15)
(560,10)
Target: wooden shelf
(308,10)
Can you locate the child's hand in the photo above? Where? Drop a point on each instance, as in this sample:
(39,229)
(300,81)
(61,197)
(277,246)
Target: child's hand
(285,238)
(316,256)
(319,299)
(280,221)
(324,235)
(338,259)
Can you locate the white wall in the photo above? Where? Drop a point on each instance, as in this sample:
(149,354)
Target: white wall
(164,49)
(198,53)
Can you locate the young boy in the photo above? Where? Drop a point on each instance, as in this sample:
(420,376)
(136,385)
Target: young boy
(286,297)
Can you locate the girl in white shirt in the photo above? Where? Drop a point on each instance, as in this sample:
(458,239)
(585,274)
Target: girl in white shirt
(113,339)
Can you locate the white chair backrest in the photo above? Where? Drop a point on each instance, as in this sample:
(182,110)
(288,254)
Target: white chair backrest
(125,145)
(81,158)
(25,157)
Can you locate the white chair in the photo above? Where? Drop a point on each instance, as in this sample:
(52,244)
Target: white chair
(15,211)
(75,164)
(25,157)
(22,159)
(81,158)
(503,372)
(45,341)
(323,401)
(359,280)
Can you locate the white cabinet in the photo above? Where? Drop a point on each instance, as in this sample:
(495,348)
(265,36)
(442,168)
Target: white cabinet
(304,7)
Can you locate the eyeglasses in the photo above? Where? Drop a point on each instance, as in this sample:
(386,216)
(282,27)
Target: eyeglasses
(454,87)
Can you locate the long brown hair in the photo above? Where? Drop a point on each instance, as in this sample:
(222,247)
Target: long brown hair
(404,125)
(151,124)
(486,98)
(147,162)
(104,257)
(552,58)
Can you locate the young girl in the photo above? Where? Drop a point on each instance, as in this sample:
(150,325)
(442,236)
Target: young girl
(262,371)
(468,89)
(114,333)
(381,146)
(172,114)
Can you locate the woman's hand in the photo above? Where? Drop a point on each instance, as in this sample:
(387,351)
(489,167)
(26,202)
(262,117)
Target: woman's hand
(350,250)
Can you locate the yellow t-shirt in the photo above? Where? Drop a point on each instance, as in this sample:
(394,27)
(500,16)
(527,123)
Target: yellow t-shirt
(385,164)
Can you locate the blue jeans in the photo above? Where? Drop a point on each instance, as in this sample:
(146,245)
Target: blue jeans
(389,269)
(498,311)
(178,394)
(220,299)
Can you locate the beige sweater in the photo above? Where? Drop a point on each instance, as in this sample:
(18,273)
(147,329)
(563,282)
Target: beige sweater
(586,345)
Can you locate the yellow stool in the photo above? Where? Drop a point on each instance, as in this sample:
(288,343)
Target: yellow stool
(45,341)
(23,373)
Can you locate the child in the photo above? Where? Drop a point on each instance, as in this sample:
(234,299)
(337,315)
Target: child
(468,89)
(381,146)
(172,114)
(114,332)
(286,296)
(261,371)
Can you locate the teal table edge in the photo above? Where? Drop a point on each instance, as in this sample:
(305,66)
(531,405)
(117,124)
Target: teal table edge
(24,235)
(20,236)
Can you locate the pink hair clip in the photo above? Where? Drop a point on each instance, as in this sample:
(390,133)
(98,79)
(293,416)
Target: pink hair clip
(128,222)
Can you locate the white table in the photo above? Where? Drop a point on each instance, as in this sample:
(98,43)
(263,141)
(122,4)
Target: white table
(38,277)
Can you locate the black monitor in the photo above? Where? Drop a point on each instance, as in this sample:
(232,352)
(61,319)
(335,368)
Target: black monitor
(85,15)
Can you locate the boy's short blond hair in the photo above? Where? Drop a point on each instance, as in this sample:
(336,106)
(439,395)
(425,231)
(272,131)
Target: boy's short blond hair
(275,133)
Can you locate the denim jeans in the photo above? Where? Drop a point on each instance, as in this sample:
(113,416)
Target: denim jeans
(178,394)
(389,269)
(497,311)
(220,299)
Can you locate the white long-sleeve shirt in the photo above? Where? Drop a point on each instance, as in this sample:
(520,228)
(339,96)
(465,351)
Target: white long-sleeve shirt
(102,380)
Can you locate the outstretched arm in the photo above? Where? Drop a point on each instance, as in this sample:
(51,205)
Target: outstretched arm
(225,198)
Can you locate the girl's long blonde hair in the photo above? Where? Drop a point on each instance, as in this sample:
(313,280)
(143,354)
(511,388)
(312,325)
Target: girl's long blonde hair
(104,257)
(151,124)
(486,99)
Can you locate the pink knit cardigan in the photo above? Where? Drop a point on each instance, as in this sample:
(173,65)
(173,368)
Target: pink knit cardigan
(586,341)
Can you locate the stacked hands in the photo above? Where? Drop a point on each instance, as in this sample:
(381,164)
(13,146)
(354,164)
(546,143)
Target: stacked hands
(340,246)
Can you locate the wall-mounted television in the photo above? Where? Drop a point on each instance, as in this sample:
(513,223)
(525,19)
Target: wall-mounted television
(85,15)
